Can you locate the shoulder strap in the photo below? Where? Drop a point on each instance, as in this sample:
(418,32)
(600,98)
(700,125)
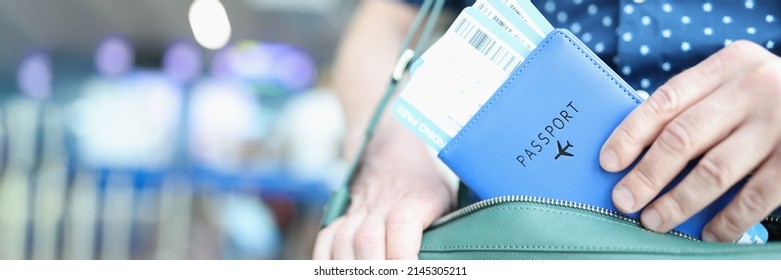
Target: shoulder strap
(430,9)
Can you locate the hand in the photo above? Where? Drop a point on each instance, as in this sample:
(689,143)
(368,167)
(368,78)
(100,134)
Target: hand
(728,109)
(399,193)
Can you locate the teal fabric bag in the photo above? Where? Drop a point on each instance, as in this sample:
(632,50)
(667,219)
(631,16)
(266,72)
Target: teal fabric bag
(523,228)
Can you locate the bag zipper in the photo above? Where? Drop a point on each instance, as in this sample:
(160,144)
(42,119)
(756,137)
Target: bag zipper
(547,201)
(773,219)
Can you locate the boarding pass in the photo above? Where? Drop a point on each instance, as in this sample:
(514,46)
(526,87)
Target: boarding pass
(460,71)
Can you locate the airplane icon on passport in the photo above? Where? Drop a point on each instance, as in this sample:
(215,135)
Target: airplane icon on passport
(563,151)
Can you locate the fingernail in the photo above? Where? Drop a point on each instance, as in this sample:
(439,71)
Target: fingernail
(624,199)
(708,236)
(609,159)
(650,219)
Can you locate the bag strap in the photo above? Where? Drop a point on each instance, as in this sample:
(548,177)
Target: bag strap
(340,199)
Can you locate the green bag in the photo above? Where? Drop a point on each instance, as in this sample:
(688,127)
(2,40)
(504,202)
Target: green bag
(520,227)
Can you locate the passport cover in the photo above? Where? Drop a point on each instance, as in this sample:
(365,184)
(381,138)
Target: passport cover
(540,134)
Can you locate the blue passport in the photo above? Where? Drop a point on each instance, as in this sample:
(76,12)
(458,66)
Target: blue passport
(540,134)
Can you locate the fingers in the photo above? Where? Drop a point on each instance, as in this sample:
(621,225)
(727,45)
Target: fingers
(722,167)
(685,137)
(357,235)
(403,234)
(381,232)
(689,115)
(406,223)
(644,124)
(369,240)
(760,196)
(325,238)
(343,238)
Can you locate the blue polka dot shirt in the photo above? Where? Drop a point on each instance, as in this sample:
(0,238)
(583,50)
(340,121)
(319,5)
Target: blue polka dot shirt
(649,41)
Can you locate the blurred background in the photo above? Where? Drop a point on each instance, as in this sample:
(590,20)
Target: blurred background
(176,129)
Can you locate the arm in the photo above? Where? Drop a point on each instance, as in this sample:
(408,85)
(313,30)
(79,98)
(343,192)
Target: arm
(399,190)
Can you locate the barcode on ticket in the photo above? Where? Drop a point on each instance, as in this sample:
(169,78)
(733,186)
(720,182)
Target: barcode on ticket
(484,8)
(498,54)
(495,16)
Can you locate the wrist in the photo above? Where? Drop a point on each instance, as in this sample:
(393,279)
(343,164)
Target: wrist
(396,146)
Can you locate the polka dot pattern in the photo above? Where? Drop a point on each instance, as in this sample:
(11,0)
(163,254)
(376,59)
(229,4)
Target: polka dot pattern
(691,30)
(594,22)
(649,41)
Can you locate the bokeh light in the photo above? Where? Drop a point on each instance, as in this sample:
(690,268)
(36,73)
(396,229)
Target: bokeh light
(34,77)
(182,61)
(210,24)
(114,56)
